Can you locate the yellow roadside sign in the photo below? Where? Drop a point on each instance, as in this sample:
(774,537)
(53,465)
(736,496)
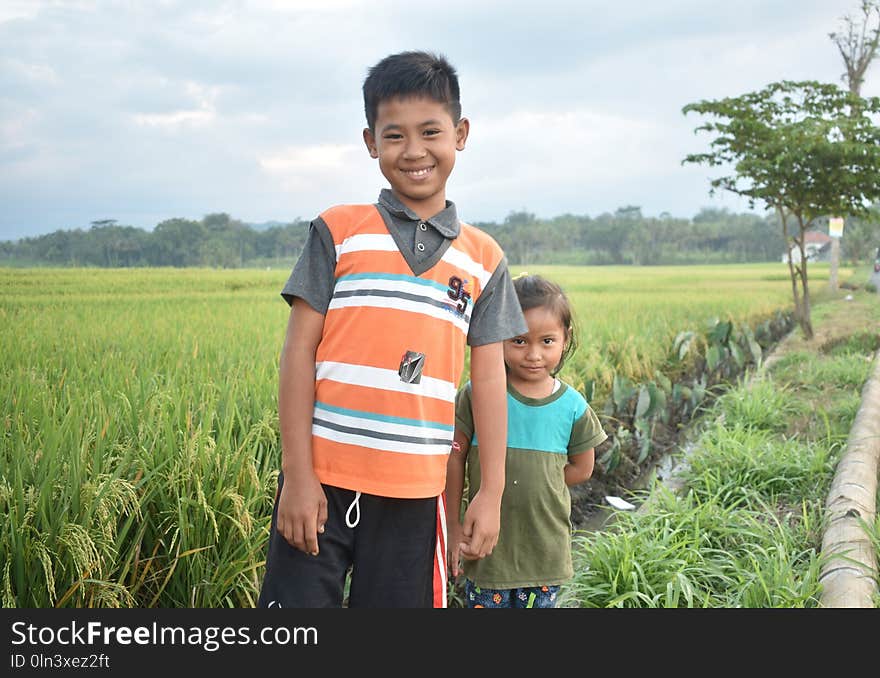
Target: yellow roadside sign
(835,227)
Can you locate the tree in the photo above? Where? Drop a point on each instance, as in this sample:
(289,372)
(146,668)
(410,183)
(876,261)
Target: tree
(176,242)
(802,150)
(857,45)
(863,237)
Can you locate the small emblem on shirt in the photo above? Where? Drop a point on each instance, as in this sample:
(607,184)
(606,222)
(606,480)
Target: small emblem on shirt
(411,365)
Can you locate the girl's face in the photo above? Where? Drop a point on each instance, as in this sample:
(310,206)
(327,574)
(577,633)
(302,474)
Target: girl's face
(531,357)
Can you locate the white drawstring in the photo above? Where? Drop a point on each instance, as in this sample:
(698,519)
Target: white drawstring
(354,505)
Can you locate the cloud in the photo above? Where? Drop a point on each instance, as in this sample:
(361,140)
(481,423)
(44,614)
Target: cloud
(307,168)
(203,114)
(145,110)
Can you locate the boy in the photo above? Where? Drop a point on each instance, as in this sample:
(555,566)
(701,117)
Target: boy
(383,300)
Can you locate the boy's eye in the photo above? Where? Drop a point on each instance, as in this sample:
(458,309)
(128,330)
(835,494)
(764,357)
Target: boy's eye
(392,136)
(519,341)
(431,132)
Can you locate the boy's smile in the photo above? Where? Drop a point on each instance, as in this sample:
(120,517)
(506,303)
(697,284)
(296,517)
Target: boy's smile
(415,141)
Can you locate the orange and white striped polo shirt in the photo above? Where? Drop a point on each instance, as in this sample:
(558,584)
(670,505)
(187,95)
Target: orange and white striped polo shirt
(374,431)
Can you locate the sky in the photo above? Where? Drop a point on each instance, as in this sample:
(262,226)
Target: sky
(144,111)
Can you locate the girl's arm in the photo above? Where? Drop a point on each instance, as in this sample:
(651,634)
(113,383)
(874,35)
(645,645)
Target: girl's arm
(580,467)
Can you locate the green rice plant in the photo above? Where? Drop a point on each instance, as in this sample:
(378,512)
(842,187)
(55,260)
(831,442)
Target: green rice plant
(139,437)
(62,489)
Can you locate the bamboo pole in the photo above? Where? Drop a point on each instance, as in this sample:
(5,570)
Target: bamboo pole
(849,574)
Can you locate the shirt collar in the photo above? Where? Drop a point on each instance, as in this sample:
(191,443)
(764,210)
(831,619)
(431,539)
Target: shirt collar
(445,221)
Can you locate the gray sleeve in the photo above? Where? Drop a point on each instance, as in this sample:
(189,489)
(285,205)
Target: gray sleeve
(314,273)
(497,315)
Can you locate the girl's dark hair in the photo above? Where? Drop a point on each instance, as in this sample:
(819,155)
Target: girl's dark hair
(411,74)
(533,291)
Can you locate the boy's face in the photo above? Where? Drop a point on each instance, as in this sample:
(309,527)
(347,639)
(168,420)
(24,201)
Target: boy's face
(415,141)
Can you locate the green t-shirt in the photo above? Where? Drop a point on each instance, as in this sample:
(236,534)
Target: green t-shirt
(534,545)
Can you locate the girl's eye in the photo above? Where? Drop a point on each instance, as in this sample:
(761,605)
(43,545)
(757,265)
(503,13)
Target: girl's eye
(548,341)
(392,137)
(518,341)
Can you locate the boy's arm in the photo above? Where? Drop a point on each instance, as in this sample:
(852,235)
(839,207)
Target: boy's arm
(302,504)
(482,521)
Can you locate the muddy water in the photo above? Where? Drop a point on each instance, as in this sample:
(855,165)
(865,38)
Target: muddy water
(666,470)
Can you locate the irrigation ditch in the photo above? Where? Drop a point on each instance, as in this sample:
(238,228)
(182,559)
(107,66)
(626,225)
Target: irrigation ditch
(849,575)
(647,423)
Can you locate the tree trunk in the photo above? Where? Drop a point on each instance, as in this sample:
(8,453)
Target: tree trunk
(804,319)
(835,257)
(792,271)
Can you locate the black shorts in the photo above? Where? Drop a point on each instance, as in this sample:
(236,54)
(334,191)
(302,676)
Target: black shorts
(392,553)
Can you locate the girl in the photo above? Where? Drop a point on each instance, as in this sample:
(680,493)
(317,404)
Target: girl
(552,433)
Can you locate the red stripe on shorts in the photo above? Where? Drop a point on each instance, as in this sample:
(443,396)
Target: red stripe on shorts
(440,554)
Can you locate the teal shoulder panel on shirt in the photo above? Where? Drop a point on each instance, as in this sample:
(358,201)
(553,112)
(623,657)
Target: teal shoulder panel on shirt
(544,425)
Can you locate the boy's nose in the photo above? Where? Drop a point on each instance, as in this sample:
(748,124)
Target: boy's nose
(414,150)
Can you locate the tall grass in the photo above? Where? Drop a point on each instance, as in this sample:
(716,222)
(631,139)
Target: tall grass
(746,529)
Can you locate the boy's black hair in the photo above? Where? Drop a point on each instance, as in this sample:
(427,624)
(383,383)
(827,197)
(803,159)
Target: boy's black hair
(414,73)
(533,291)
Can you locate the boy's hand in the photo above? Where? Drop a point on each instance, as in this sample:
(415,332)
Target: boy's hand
(482,522)
(302,511)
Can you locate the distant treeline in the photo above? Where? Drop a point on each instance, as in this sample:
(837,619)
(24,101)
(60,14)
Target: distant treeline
(624,237)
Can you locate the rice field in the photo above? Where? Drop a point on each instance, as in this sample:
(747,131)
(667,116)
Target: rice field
(628,316)
(139,423)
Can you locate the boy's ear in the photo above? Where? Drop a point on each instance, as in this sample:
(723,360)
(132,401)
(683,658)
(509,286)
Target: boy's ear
(461,133)
(370,141)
